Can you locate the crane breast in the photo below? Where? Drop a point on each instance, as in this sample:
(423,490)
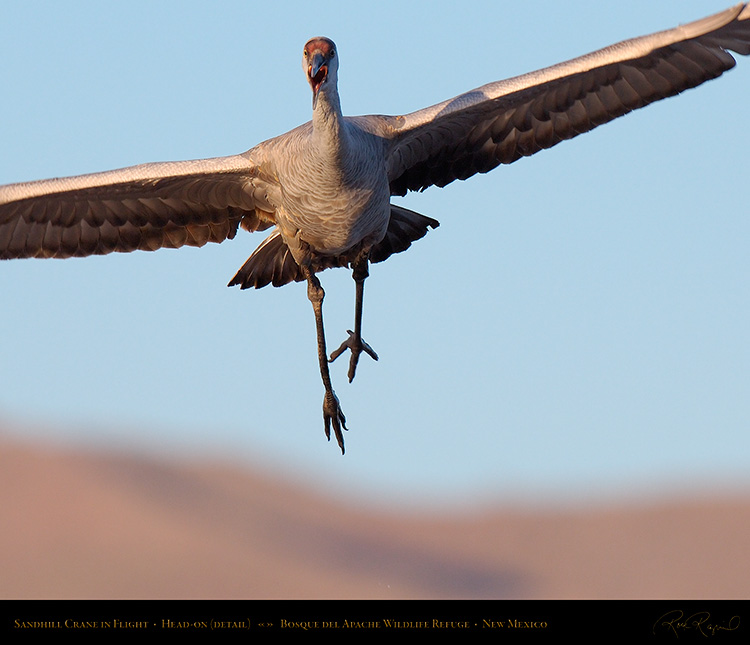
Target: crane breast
(335,200)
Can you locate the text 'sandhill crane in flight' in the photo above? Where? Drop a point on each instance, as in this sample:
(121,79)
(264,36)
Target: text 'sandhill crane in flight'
(326,186)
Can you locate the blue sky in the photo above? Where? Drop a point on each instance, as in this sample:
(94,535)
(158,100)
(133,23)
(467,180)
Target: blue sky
(578,323)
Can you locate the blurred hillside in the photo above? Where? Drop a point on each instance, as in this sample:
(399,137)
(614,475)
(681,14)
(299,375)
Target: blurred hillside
(122,526)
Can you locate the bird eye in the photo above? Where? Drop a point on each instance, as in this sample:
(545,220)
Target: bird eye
(306,54)
(333,53)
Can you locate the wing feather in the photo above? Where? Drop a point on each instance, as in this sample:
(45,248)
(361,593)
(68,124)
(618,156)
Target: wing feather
(504,121)
(147,207)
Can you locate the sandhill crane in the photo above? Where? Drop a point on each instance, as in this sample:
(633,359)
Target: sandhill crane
(326,186)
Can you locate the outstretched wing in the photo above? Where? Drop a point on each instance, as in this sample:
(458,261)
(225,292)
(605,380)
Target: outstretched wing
(504,121)
(145,207)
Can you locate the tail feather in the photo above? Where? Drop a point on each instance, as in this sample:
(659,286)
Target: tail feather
(272,262)
(404,227)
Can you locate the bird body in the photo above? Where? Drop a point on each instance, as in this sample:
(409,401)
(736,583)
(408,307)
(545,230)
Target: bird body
(334,188)
(326,186)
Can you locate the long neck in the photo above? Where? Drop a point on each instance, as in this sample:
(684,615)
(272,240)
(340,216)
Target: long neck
(328,122)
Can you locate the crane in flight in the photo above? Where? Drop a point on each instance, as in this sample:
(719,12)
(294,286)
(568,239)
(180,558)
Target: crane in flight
(325,188)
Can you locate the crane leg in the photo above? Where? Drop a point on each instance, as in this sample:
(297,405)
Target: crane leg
(332,414)
(354,342)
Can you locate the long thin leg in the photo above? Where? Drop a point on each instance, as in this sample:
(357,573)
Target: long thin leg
(332,414)
(354,342)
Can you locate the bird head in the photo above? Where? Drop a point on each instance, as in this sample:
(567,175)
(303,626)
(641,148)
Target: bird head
(320,62)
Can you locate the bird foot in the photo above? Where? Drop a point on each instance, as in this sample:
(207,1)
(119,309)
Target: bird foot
(357,346)
(332,415)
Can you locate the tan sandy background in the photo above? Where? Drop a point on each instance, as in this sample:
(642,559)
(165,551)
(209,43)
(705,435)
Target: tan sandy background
(96,525)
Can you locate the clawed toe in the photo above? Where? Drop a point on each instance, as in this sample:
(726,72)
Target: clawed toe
(333,415)
(357,346)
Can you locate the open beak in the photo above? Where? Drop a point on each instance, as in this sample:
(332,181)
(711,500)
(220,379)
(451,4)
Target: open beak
(317,72)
